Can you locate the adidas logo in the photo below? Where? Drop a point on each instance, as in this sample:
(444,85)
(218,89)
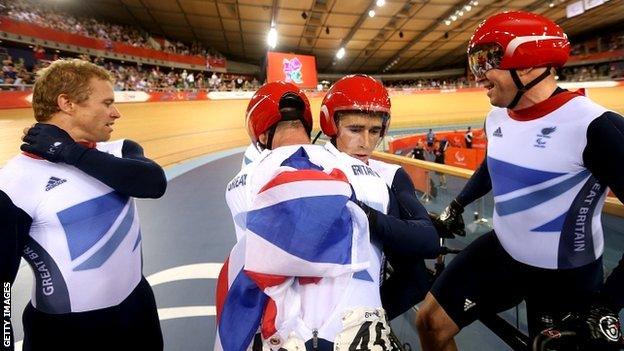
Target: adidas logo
(469,304)
(54,182)
(498,132)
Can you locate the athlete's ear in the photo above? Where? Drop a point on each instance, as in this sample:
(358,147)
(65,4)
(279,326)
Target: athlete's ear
(64,103)
(263,138)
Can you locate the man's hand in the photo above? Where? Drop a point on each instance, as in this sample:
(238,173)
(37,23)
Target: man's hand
(598,328)
(450,222)
(52,143)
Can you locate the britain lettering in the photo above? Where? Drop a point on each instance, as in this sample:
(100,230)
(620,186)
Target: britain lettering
(581,219)
(363,170)
(238,181)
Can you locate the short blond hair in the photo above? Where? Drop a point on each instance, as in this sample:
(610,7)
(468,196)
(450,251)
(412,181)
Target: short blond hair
(70,77)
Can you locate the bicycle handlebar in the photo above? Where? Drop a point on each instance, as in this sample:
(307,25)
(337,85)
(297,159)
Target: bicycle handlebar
(547,336)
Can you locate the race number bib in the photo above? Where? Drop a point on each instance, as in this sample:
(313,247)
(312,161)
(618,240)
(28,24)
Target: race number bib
(366,329)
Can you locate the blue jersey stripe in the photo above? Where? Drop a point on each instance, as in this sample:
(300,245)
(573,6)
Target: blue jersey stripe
(507,177)
(538,197)
(87,222)
(101,256)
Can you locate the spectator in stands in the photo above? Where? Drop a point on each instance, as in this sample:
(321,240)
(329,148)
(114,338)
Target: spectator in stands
(39,53)
(238,83)
(214,81)
(430,138)
(190,80)
(439,152)
(419,151)
(468,138)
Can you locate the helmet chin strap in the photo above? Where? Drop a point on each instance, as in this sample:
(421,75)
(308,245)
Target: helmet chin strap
(524,88)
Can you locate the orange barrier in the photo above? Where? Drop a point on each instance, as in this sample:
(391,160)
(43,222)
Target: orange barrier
(14,99)
(454,138)
(419,177)
(461,157)
(32,30)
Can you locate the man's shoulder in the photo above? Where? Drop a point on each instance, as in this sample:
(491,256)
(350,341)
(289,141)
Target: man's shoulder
(23,179)
(113,147)
(22,165)
(383,166)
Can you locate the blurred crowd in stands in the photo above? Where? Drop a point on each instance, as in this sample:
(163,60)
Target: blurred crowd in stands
(44,15)
(16,75)
(601,43)
(420,84)
(601,71)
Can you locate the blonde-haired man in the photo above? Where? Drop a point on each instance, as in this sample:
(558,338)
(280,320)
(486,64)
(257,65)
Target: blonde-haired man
(68,210)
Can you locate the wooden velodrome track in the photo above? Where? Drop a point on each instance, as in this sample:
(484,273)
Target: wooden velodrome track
(171,132)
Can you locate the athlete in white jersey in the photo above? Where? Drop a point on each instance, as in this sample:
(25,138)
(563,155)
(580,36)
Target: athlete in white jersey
(321,311)
(67,209)
(355,115)
(548,169)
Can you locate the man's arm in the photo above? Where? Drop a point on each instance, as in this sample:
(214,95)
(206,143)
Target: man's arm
(14,226)
(602,156)
(409,281)
(450,222)
(133,174)
(411,233)
(407,285)
(477,186)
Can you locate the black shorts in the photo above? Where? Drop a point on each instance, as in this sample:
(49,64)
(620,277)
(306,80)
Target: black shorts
(484,279)
(131,325)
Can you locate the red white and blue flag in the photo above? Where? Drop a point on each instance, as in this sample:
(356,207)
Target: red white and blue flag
(301,225)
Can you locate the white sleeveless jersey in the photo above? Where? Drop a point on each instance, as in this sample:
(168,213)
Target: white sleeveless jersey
(387,171)
(547,204)
(84,242)
(238,194)
(319,306)
(250,155)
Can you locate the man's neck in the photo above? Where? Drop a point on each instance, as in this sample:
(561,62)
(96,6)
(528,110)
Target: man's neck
(541,92)
(62,121)
(287,141)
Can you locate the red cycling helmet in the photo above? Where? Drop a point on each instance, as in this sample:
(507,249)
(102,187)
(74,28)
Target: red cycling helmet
(357,92)
(517,40)
(263,110)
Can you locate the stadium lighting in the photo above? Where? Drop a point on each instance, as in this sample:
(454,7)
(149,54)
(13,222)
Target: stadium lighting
(380,3)
(453,18)
(340,54)
(460,13)
(447,22)
(272,38)
(467,8)
(475,3)
(371,13)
